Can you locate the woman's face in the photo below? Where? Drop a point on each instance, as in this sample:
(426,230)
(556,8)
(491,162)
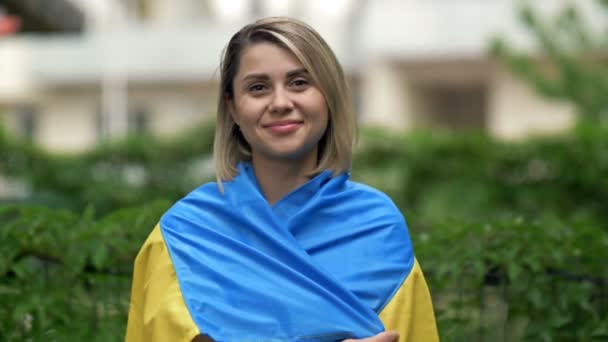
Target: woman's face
(280,111)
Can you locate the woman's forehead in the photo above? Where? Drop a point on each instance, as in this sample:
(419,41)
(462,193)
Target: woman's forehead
(266,58)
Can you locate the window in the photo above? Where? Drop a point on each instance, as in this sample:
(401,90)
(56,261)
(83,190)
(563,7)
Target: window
(100,124)
(138,121)
(453,106)
(27,122)
(143,9)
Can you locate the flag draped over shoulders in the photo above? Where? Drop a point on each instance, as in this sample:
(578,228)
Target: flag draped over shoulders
(331,260)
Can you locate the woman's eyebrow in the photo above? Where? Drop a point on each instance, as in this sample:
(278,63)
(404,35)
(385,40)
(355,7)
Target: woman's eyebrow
(289,74)
(297,72)
(256,77)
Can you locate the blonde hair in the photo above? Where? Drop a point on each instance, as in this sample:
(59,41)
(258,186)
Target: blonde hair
(335,147)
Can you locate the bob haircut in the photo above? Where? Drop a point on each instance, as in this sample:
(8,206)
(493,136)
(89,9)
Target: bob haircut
(335,147)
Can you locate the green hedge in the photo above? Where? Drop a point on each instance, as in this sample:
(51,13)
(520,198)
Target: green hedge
(512,279)
(124,173)
(66,276)
(522,224)
(474,177)
(513,237)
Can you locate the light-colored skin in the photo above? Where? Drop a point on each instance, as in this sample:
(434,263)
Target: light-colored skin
(282,114)
(387,336)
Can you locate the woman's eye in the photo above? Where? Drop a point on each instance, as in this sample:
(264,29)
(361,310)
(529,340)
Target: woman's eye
(256,88)
(300,82)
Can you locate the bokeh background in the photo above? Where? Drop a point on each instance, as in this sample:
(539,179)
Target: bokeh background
(485,121)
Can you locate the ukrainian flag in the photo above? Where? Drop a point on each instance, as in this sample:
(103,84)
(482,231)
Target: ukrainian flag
(332,260)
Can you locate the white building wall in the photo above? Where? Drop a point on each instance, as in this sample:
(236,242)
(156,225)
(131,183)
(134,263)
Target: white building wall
(172,109)
(516,111)
(178,13)
(386,100)
(15,80)
(66,121)
(392,48)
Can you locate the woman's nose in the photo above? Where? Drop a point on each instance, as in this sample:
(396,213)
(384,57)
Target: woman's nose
(280,102)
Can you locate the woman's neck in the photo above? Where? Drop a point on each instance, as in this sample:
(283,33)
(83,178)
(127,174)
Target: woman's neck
(278,177)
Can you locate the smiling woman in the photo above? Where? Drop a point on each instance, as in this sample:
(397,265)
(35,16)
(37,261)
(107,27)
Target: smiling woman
(283,247)
(278,109)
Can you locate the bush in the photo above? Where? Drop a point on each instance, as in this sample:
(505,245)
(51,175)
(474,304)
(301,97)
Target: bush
(65,276)
(512,279)
(439,176)
(125,173)
(514,232)
(513,237)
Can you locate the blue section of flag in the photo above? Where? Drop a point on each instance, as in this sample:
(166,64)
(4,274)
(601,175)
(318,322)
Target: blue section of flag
(317,266)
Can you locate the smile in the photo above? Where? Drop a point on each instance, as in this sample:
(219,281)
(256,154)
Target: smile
(283,126)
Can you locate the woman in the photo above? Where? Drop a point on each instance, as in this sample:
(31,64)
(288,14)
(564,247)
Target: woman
(283,247)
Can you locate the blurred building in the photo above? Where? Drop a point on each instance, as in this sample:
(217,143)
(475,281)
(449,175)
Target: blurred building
(108,67)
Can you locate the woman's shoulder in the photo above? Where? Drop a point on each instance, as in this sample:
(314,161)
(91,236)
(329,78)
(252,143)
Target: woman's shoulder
(205,192)
(200,199)
(367,190)
(371,197)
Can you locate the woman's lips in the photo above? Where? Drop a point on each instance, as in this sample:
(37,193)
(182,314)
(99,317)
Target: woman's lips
(284,127)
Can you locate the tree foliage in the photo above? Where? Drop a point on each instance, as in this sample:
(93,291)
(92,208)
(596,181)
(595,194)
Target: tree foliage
(572,63)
